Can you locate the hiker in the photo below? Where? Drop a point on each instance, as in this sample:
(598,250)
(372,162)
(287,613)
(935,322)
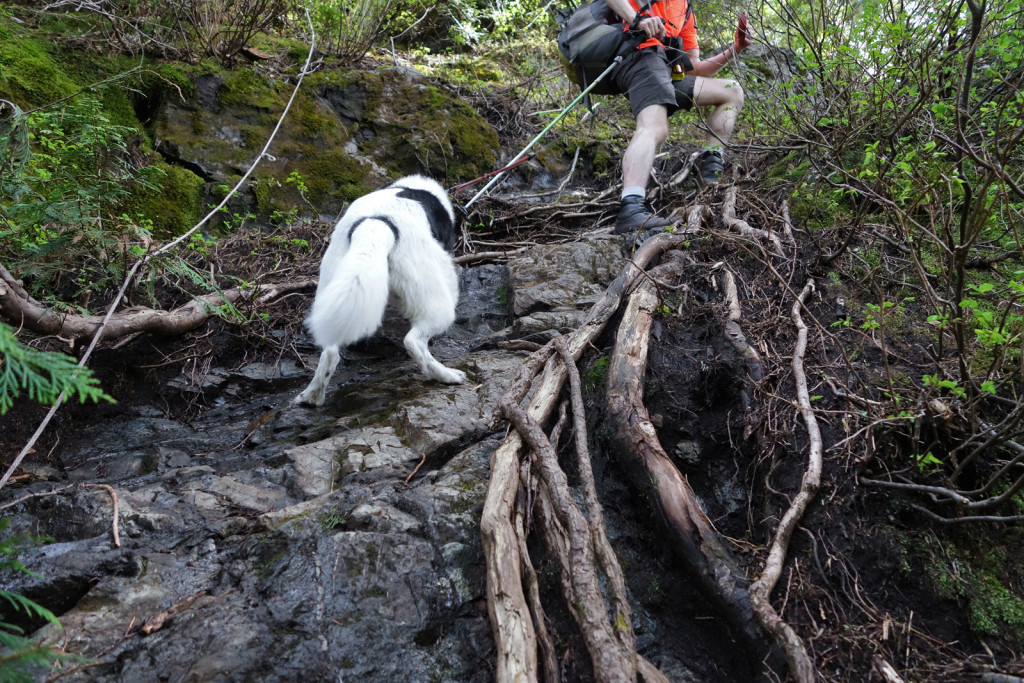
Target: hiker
(664,74)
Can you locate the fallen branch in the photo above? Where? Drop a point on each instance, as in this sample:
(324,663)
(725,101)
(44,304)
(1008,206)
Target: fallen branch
(113,497)
(487,255)
(801,667)
(24,311)
(30,496)
(157,622)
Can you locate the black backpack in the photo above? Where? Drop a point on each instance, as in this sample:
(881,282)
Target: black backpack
(591,38)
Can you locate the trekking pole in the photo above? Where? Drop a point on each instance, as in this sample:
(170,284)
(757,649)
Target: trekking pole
(558,118)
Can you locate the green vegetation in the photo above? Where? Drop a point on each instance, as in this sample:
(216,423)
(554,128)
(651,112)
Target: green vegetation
(43,375)
(29,75)
(993,609)
(597,376)
(22,658)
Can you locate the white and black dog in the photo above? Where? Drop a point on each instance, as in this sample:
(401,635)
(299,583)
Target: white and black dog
(398,241)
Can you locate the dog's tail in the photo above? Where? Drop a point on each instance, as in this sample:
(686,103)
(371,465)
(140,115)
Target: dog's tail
(351,306)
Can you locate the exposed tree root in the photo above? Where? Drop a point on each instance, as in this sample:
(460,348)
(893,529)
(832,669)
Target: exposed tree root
(24,311)
(634,438)
(613,659)
(734,333)
(787,226)
(744,228)
(549,658)
(515,635)
(801,667)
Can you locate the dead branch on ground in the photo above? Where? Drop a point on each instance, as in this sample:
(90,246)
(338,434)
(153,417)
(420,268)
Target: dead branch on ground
(116,512)
(23,311)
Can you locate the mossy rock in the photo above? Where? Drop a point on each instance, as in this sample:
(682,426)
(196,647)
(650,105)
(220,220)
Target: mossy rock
(985,579)
(348,132)
(174,206)
(29,74)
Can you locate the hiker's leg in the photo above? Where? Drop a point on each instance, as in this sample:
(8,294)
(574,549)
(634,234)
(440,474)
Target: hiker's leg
(726,96)
(651,131)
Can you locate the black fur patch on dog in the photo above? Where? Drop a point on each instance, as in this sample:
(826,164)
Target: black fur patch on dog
(383,219)
(441,225)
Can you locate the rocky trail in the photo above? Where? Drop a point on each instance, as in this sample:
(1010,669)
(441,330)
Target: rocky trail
(656,470)
(263,541)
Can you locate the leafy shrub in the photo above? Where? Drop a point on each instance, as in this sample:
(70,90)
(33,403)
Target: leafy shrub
(188,29)
(64,173)
(347,29)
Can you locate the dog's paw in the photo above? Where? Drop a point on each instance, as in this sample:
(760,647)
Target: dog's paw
(448,375)
(309,398)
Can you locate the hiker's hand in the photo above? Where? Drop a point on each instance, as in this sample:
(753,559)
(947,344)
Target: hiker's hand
(654,27)
(743,35)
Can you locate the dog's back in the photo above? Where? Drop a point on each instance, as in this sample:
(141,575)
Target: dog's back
(395,240)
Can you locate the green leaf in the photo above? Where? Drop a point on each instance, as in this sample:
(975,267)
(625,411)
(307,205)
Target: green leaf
(43,374)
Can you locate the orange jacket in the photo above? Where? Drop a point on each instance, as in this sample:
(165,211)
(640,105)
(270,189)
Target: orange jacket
(679,21)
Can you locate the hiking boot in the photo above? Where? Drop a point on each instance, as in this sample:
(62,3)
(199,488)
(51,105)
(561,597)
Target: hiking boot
(710,167)
(635,215)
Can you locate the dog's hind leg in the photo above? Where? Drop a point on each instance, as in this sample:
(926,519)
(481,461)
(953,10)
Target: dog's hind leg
(316,391)
(416,344)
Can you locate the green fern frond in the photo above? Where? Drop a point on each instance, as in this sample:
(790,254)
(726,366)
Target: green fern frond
(21,657)
(184,270)
(32,609)
(43,374)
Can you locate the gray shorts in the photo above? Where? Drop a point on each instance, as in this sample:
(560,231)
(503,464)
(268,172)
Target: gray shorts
(645,78)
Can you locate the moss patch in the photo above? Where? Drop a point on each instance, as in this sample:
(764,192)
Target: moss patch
(175,206)
(348,132)
(29,75)
(244,87)
(335,174)
(984,578)
(433,132)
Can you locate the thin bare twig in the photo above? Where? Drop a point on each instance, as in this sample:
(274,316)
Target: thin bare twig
(113,497)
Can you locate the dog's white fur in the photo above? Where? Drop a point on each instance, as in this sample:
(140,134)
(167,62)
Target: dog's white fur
(363,265)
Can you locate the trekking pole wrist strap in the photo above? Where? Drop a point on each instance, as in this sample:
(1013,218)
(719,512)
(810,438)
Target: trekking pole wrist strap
(637,18)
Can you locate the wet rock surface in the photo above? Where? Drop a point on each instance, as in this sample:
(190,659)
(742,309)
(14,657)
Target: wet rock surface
(265,541)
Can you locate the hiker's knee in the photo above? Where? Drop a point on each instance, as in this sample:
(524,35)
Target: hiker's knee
(653,121)
(733,93)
